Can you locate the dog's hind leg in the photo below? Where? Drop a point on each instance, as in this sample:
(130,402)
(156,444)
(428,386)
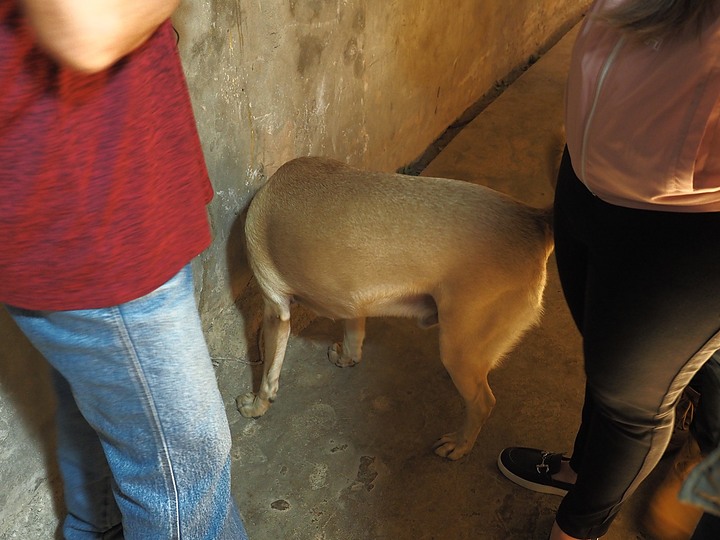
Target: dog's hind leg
(479,402)
(471,343)
(275,334)
(349,352)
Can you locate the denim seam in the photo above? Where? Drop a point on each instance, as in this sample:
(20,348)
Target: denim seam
(151,411)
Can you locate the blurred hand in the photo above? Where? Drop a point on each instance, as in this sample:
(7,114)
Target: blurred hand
(91,35)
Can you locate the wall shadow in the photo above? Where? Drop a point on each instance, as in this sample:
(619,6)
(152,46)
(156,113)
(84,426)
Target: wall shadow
(25,385)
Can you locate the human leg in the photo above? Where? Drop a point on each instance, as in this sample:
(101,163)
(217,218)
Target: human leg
(647,312)
(705,426)
(526,466)
(141,376)
(702,490)
(642,291)
(87,480)
(667,516)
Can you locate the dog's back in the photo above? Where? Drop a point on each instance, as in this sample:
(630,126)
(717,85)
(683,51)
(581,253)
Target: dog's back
(321,229)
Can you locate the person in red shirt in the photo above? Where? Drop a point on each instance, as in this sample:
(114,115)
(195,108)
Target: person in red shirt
(103,194)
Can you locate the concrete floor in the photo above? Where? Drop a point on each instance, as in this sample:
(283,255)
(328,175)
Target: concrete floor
(344,454)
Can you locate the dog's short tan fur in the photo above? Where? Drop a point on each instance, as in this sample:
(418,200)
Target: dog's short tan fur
(351,244)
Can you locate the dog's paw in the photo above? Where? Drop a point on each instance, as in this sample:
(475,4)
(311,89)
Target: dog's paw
(335,355)
(251,405)
(450,446)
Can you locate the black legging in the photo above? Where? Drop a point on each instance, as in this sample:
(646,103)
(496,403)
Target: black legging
(643,288)
(705,426)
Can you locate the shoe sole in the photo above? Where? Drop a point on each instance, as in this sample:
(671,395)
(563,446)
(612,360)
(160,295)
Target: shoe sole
(532,486)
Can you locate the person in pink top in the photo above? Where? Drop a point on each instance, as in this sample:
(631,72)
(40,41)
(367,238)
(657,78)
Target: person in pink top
(637,232)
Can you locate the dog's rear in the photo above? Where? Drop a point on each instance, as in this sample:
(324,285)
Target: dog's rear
(352,244)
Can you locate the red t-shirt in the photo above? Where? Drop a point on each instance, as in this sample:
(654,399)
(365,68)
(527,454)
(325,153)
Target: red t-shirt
(103,186)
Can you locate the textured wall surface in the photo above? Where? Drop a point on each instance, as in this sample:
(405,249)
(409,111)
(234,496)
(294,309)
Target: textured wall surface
(370,82)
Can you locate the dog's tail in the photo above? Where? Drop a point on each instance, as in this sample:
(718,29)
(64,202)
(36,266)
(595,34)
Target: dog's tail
(555,149)
(546,216)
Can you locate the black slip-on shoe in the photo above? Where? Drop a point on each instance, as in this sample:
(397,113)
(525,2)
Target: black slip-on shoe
(533,469)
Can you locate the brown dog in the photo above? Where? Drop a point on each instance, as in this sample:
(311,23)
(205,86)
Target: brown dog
(351,244)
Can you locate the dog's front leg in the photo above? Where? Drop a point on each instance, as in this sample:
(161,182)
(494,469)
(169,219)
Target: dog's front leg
(275,334)
(349,352)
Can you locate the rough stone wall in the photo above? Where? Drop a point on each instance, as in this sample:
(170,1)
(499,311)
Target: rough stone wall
(371,82)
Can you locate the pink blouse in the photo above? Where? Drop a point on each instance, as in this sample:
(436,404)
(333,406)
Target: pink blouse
(642,118)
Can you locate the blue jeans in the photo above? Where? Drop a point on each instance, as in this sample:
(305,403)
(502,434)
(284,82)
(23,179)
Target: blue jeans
(702,488)
(143,439)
